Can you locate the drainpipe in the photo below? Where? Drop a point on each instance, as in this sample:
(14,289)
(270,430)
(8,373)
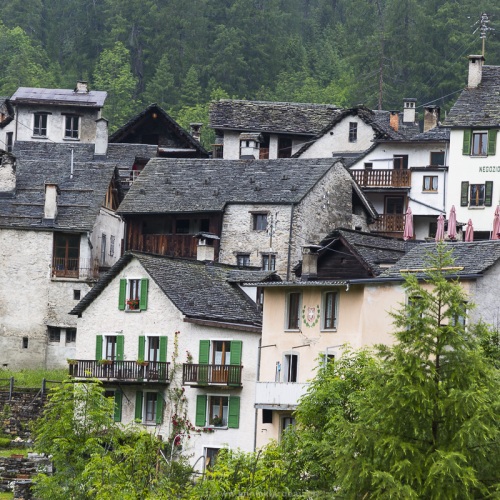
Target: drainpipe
(290,243)
(256,410)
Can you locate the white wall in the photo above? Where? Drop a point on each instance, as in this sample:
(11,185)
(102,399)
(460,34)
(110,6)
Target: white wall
(110,224)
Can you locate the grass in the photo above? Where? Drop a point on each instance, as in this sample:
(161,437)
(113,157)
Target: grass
(6,495)
(31,378)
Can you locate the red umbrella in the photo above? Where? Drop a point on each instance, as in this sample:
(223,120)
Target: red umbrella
(408,232)
(469,232)
(440,229)
(495,234)
(452,224)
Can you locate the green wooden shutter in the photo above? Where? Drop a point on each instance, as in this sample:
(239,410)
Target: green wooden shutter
(122,295)
(120,344)
(464,194)
(117,416)
(163,349)
(201,410)
(233,418)
(138,405)
(235,357)
(142,347)
(466,143)
(143,301)
(204,355)
(492,141)
(98,347)
(159,409)
(488,193)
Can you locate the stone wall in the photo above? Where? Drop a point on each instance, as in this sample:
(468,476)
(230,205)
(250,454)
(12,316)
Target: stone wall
(18,412)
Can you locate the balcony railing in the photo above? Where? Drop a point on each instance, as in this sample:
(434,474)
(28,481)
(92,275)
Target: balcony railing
(389,223)
(279,395)
(121,371)
(75,268)
(382,178)
(211,374)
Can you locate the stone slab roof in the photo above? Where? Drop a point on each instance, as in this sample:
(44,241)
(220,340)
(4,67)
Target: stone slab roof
(480,106)
(80,196)
(68,97)
(277,117)
(436,134)
(200,291)
(470,258)
(194,185)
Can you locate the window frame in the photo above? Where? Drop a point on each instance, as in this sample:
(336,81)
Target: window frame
(70,337)
(479,197)
(259,221)
(71,127)
(290,373)
(242,259)
(433,181)
(133,294)
(482,149)
(40,124)
(210,409)
(434,163)
(290,320)
(54,334)
(149,399)
(268,261)
(324,312)
(353,131)
(66,266)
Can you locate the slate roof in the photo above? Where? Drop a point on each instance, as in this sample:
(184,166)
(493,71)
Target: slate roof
(68,97)
(154,108)
(80,198)
(472,258)
(480,106)
(277,117)
(194,185)
(200,291)
(436,134)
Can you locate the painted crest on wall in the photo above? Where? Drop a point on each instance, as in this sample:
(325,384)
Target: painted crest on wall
(310,316)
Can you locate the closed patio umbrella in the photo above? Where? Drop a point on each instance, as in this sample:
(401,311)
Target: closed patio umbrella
(452,224)
(495,234)
(408,232)
(469,232)
(440,229)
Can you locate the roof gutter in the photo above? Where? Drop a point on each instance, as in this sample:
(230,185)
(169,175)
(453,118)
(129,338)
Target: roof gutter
(220,324)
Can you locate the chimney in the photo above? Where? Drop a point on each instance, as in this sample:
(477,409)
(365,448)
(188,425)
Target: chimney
(205,250)
(409,110)
(475,71)
(7,175)
(310,262)
(431,117)
(50,207)
(101,139)
(394,120)
(196,130)
(81,87)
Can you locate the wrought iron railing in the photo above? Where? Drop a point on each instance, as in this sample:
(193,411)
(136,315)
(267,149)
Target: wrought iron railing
(126,371)
(200,374)
(75,268)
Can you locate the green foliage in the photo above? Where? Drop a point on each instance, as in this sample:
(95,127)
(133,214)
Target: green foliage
(32,378)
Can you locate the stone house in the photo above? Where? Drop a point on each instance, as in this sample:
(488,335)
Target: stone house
(57,115)
(157,328)
(58,230)
(343,295)
(252,212)
(269,130)
(473,187)
(6,126)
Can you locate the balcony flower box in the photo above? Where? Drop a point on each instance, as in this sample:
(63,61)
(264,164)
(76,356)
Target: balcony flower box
(105,362)
(133,305)
(141,362)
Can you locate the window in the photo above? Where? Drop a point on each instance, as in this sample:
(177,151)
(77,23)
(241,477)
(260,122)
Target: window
(66,261)
(461,318)
(149,407)
(25,342)
(54,334)
(117,398)
(217,411)
(9,141)
(153,348)
(70,335)
(479,142)
(71,127)
(111,246)
(77,294)
(430,183)
(476,195)
(330,310)
(40,124)
(182,226)
(210,457)
(103,249)
(268,262)
(437,158)
(224,358)
(401,162)
(284,147)
(287,422)
(111,347)
(293,311)
(133,294)
(243,259)
(353,131)
(267,416)
(259,222)
(290,367)
(369,165)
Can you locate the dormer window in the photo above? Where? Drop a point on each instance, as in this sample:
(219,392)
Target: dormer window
(40,124)
(71,129)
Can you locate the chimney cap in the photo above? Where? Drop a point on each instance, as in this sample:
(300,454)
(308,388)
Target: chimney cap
(82,87)
(474,57)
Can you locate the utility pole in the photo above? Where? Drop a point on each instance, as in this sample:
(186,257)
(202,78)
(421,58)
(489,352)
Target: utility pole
(483,29)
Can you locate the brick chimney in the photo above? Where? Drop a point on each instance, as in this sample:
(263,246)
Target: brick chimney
(431,117)
(409,110)
(309,262)
(7,175)
(475,71)
(101,139)
(394,120)
(50,206)
(196,130)
(81,87)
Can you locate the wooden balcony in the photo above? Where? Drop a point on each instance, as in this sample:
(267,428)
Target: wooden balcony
(389,224)
(174,245)
(264,154)
(121,371)
(203,375)
(382,178)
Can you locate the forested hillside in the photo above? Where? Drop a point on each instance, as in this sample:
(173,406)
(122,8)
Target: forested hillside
(182,53)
